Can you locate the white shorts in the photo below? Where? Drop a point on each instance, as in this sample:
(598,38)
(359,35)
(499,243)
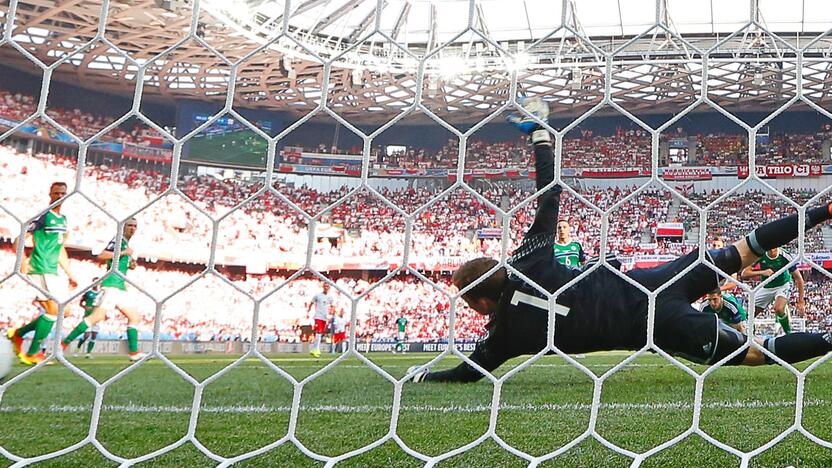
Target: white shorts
(766,296)
(57,286)
(114,298)
(400,336)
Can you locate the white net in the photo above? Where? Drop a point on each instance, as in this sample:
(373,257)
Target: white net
(751,64)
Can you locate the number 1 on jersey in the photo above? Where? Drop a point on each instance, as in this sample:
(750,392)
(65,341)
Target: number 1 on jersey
(534,301)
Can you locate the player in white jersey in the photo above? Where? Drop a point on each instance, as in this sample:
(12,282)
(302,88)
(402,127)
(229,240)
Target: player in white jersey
(323,303)
(339,332)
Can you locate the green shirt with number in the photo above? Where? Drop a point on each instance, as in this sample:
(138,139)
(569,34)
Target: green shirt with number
(113,280)
(48,234)
(570,254)
(783,258)
(401,322)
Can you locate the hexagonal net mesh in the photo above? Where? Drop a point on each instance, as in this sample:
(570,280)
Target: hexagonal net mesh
(622,74)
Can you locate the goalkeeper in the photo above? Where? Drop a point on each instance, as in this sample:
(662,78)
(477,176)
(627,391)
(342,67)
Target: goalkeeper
(603,311)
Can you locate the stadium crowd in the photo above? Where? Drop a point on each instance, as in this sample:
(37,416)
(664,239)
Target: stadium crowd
(18,107)
(624,148)
(265,229)
(744,212)
(174,229)
(818,303)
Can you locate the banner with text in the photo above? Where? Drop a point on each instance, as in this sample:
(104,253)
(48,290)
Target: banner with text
(783,170)
(687,173)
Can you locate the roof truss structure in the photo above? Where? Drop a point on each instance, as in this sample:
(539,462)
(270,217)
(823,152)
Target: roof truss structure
(658,72)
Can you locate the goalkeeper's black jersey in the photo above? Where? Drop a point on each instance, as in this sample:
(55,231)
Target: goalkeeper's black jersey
(605,312)
(602,312)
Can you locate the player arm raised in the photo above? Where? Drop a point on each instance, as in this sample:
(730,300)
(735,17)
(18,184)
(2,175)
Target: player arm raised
(548,204)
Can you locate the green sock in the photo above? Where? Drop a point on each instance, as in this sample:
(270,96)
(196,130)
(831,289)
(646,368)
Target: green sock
(783,320)
(90,345)
(80,344)
(28,327)
(132,340)
(76,332)
(42,329)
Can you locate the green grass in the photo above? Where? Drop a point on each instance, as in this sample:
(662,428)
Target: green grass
(211,150)
(543,408)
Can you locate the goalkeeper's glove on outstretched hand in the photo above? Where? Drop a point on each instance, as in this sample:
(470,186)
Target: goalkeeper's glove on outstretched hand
(534,106)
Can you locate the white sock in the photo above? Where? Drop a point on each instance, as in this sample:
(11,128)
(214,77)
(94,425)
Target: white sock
(317,341)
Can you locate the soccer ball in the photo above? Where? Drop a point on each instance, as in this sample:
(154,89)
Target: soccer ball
(6,356)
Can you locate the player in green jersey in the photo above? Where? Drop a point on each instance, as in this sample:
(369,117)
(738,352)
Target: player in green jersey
(568,252)
(48,234)
(727,308)
(779,289)
(114,293)
(401,324)
(89,302)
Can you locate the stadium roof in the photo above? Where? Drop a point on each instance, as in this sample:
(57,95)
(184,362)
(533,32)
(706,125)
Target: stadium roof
(522,20)
(468,51)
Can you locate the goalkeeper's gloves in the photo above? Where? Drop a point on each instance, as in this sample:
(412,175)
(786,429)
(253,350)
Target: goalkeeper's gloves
(418,376)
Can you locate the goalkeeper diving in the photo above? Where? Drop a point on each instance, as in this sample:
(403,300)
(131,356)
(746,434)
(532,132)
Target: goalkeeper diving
(603,311)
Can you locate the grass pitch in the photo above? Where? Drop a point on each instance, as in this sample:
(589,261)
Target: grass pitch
(542,408)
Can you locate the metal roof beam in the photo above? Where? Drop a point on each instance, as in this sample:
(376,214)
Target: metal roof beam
(336,15)
(301,9)
(433,36)
(402,19)
(367,21)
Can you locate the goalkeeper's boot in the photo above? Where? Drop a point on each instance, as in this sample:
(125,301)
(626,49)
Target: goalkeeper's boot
(17,341)
(534,106)
(137,356)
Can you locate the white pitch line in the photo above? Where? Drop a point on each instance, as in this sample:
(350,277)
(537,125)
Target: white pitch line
(396,366)
(263,409)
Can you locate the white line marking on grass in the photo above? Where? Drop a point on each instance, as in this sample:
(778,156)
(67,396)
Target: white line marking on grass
(263,409)
(396,366)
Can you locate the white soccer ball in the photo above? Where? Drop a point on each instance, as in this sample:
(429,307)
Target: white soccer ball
(6,356)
